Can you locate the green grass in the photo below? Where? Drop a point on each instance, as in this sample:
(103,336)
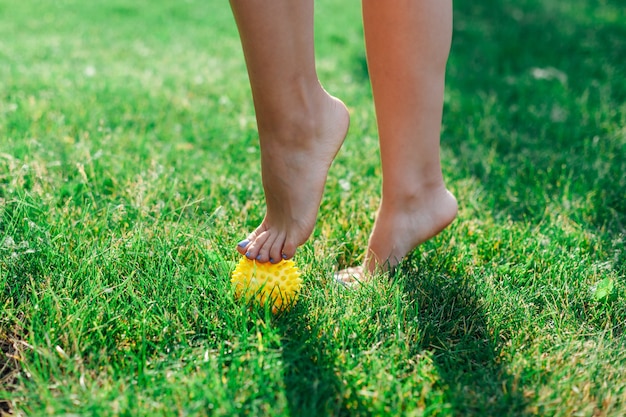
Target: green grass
(129,169)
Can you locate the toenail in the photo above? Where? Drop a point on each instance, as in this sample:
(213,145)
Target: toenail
(284,256)
(243,243)
(258,258)
(248,255)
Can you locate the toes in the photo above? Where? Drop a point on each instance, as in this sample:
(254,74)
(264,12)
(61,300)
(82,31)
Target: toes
(351,277)
(254,248)
(276,249)
(265,246)
(242,246)
(265,251)
(289,250)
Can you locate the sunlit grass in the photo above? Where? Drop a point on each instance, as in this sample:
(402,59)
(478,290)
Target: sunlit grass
(129,169)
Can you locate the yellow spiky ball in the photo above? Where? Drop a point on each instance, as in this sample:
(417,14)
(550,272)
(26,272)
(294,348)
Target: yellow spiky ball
(278,284)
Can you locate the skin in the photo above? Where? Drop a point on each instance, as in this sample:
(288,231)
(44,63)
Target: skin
(301,127)
(408,85)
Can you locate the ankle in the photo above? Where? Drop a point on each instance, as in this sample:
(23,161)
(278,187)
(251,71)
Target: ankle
(300,125)
(287,131)
(413,194)
(292,113)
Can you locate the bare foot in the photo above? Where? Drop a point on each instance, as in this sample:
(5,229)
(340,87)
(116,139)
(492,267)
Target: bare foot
(294,169)
(401,227)
(398,230)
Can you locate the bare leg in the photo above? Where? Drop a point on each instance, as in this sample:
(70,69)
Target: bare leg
(408,43)
(301,127)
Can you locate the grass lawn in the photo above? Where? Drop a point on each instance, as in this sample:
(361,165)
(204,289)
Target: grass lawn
(129,169)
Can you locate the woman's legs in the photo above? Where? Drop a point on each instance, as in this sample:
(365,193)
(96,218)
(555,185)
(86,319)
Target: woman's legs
(408,43)
(301,127)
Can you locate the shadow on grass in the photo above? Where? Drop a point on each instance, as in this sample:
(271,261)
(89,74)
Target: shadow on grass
(9,368)
(535,115)
(454,327)
(535,103)
(311,381)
